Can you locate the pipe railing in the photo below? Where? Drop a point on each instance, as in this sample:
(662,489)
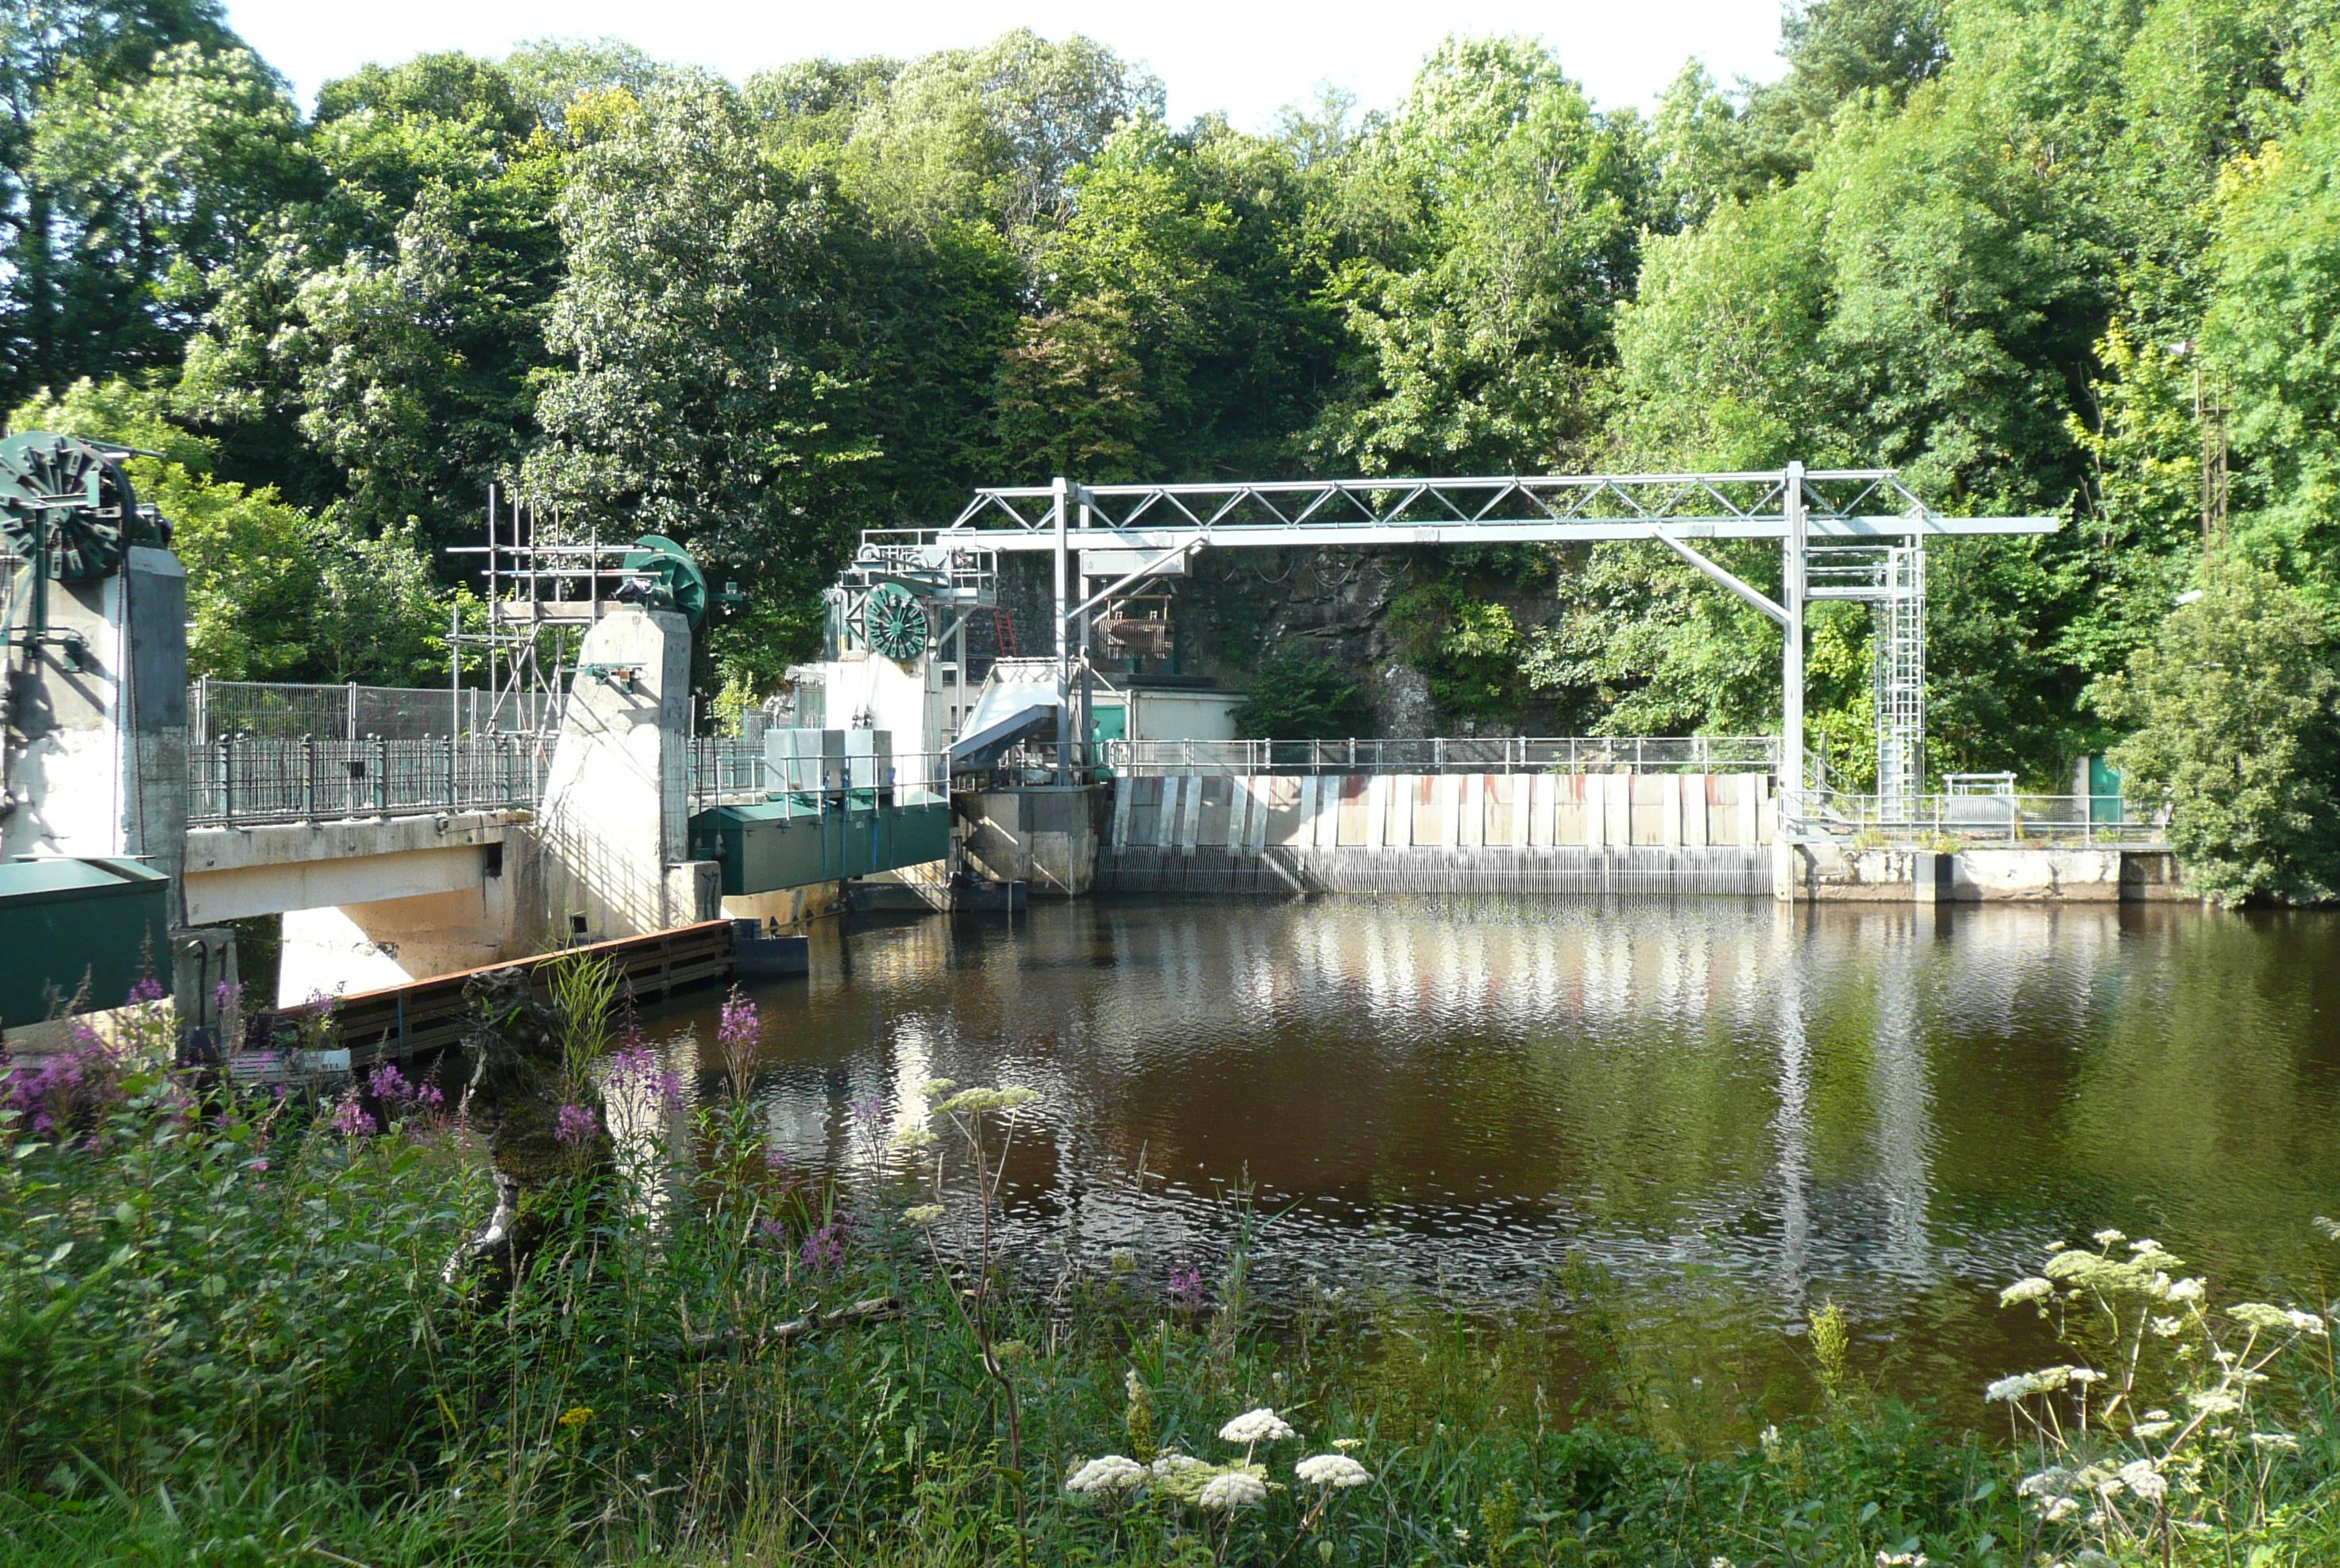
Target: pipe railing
(1459,754)
(2004,819)
(736,770)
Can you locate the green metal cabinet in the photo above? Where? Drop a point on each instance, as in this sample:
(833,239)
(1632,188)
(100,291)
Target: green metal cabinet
(764,848)
(64,921)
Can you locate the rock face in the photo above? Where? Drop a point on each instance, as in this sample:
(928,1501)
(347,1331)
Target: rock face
(519,1089)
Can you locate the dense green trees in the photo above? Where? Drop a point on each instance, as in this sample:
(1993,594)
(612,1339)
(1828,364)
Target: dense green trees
(2043,258)
(2237,704)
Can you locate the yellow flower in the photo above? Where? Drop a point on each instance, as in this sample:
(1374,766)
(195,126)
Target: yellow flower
(576,1416)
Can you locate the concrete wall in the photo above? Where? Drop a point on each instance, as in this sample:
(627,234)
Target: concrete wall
(103,767)
(870,691)
(1046,836)
(1840,874)
(616,798)
(791,908)
(360,947)
(234,873)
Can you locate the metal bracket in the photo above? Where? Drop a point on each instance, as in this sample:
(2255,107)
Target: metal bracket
(1755,597)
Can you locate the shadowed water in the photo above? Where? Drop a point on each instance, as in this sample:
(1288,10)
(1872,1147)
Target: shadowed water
(1715,1102)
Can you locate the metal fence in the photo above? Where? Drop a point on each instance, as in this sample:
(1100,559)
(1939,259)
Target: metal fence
(289,710)
(1968,820)
(1462,754)
(248,779)
(732,769)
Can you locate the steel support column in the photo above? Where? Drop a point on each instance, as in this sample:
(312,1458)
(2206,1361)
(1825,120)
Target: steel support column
(1059,504)
(1792,663)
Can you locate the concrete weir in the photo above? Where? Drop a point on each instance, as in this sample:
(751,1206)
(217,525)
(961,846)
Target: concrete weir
(1441,833)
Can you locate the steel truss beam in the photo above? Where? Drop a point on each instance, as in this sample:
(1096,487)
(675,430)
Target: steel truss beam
(1845,503)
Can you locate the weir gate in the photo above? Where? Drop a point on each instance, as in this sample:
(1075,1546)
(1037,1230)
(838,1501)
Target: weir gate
(1463,815)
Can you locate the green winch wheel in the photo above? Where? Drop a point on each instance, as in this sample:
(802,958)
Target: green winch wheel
(79,492)
(895,622)
(676,581)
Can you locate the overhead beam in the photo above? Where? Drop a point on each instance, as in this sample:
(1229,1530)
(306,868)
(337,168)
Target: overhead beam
(1366,535)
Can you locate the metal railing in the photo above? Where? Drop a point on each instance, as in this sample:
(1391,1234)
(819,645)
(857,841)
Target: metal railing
(734,770)
(253,778)
(348,711)
(1968,820)
(1461,754)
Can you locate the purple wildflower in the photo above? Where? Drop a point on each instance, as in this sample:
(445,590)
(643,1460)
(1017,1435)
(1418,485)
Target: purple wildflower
(739,1031)
(823,1249)
(1186,1288)
(49,1092)
(773,1231)
(148,989)
(389,1087)
(636,1070)
(774,1157)
(574,1125)
(349,1118)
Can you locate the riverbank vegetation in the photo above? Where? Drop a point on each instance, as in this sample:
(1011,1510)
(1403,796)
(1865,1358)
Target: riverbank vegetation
(2067,260)
(228,1337)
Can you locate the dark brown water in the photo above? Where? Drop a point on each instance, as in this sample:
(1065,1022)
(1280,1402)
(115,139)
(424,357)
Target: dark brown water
(1729,1109)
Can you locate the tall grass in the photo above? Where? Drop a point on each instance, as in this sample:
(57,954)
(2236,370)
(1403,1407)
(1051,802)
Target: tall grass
(225,1339)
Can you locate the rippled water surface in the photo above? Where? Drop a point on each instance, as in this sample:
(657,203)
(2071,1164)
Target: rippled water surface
(1730,1110)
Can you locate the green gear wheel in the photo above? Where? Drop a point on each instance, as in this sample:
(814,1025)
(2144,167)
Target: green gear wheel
(895,622)
(676,581)
(79,493)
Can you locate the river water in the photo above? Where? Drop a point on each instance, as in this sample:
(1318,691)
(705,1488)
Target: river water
(1720,1113)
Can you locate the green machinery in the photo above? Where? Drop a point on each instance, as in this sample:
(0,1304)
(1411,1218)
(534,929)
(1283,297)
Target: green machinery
(669,579)
(833,810)
(764,848)
(68,515)
(100,924)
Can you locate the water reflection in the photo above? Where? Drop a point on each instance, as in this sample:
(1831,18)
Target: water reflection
(1899,1108)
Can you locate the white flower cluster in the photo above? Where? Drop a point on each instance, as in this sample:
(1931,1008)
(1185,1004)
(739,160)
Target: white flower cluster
(2047,1380)
(2268,1319)
(2032,1289)
(1230,1490)
(1260,1425)
(2141,1477)
(1332,1470)
(1113,1473)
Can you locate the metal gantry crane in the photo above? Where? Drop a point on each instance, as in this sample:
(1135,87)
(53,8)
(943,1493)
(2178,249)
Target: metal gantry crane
(1852,534)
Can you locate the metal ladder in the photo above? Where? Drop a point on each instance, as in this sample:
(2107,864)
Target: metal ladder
(1890,579)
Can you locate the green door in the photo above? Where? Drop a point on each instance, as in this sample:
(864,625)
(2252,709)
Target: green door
(2104,790)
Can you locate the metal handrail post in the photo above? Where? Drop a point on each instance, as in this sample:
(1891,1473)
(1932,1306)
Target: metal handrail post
(308,778)
(227,779)
(382,775)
